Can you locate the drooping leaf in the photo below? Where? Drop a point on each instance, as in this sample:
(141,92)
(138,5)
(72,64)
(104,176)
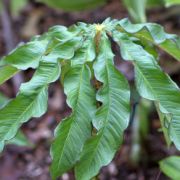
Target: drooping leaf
(20,139)
(58,42)
(30,102)
(72,132)
(63,42)
(19,110)
(76,5)
(153,33)
(6,72)
(153,84)
(64,50)
(26,56)
(111,118)
(63,33)
(170,167)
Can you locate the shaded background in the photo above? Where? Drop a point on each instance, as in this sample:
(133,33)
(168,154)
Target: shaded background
(32,163)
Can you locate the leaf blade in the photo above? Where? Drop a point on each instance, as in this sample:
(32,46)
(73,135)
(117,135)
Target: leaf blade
(6,72)
(111,118)
(26,56)
(71,134)
(30,102)
(153,84)
(155,34)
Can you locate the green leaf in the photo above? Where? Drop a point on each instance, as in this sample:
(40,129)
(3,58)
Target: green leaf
(6,72)
(172,2)
(170,167)
(137,10)
(63,33)
(153,84)
(20,110)
(46,73)
(30,102)
(76,5)
(63,42)
(20,139)
(153,33)
(72,132)
(64,50)
(27,55)
(111,118)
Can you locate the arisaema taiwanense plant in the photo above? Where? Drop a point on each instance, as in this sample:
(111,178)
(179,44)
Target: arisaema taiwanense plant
(81,58)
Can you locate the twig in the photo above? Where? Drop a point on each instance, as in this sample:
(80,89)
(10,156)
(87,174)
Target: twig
(6,28)
(158,175)
(9,40)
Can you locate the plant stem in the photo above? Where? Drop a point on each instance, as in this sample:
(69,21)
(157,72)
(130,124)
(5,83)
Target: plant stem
(9,40)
